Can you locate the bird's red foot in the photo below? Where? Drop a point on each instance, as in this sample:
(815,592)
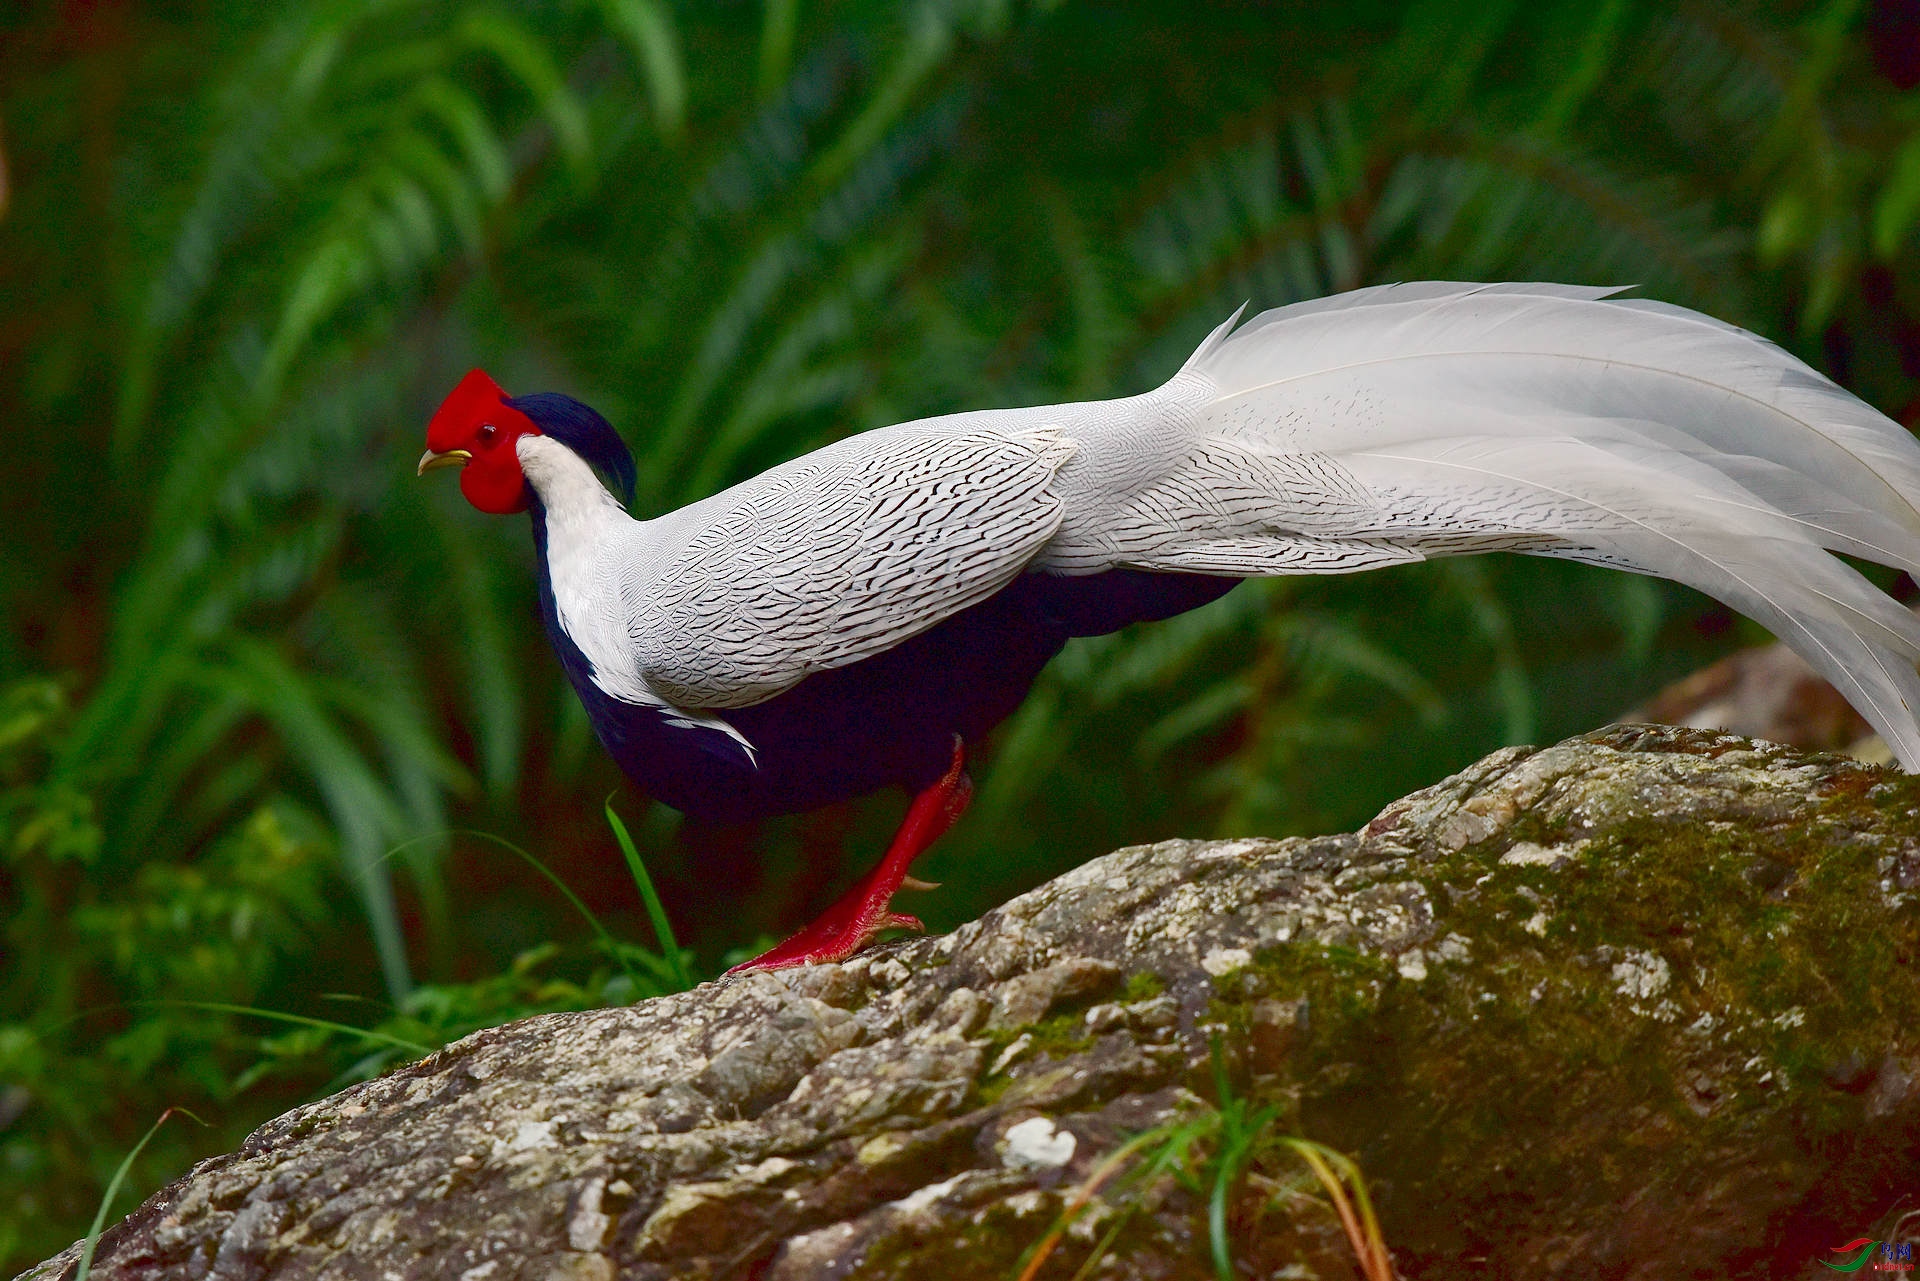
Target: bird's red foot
(865,910)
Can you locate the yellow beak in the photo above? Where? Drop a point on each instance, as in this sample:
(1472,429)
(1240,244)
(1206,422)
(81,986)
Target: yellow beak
(452,458)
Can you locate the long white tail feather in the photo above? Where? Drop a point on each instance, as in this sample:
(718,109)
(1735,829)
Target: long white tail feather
(1559,421)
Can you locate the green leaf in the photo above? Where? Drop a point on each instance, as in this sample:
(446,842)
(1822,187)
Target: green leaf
(647,27)
(1898,204)
(527,58)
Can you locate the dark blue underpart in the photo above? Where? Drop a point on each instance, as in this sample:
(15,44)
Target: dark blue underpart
(886,721)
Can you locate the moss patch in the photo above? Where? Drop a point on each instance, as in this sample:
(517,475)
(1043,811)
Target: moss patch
(1675,988)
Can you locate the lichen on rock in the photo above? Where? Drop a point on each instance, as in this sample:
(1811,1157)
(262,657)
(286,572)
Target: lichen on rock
(1640,1004)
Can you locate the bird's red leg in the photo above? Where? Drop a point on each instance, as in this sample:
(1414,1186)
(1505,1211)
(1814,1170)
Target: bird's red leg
(865,910)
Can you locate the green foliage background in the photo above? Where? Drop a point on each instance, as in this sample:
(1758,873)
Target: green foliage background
(255,674)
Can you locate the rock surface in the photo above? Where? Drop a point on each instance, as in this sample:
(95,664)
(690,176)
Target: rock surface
(1643,1004)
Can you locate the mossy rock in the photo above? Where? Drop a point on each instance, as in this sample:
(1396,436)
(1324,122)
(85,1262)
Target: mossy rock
(1643,1004)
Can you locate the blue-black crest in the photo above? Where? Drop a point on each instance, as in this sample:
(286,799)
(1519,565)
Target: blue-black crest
(585,432)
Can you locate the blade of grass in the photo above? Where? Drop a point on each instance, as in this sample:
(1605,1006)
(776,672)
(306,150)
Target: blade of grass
(1362,1228)
(113,1190)
(606,940)
(301,1020)
(1228,1105)
(1226,1165)
(656,912)
(1239,1131)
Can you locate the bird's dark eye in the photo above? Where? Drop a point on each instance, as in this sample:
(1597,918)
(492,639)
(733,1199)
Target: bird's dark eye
(486,431)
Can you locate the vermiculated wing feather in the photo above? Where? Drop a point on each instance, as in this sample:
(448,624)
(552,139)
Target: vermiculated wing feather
(1442,419)
(842,554)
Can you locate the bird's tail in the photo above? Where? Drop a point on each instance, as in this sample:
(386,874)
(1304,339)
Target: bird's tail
(1413,421)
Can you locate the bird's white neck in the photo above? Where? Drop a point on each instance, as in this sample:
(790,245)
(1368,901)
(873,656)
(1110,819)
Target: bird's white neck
(572,494)
(588,537)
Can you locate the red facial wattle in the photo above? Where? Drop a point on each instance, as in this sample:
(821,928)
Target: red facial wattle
(476,421)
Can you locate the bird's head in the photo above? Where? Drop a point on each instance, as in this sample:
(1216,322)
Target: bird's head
(478,428)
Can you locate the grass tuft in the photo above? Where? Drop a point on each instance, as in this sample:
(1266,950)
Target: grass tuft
(1211,1154)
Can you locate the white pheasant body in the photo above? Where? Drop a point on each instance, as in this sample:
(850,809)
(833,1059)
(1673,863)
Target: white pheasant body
(1373,428)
